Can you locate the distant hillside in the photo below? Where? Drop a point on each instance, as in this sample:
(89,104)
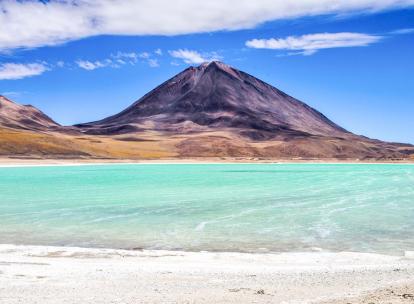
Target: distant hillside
(24,117)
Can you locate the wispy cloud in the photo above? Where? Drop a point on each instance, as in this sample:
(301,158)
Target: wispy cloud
(153,63)
(403,31)
(194,57)
(93,65)
(311,43)
(125,57)
(188,56)
(119,59)
(11,94)
(60,64)
(29,24)
(144,55)
(158,52)
(11,71)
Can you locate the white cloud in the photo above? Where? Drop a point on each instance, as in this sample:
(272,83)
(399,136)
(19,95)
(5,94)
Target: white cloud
(158,52)
(310,44)
(403,31)
(119,59)
(125,57)
(144,55)
(11,94)
(9,71)
(188,56)
(93,65)
(194,57)
(31,23)
(153,63)
(60,64)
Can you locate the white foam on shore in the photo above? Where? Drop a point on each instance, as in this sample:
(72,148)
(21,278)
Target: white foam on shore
(47,275)
(293,259)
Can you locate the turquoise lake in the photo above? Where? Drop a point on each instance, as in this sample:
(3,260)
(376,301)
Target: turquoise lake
(214,207)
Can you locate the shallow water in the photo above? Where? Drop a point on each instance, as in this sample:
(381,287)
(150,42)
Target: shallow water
(225,207)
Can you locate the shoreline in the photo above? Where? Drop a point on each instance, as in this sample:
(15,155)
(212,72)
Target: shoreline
(14,162)
(46,274)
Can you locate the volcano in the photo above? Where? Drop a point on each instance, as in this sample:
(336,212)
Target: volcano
(215,110)
(217,96)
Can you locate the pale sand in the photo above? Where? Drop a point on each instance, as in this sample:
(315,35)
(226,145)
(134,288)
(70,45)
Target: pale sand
(46,275)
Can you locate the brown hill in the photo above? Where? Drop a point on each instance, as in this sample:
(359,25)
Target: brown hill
(26,132)
(25,117)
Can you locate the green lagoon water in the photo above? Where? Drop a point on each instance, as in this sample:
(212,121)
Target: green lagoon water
(220,207)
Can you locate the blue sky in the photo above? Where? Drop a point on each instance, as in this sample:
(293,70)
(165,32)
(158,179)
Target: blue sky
(353,64)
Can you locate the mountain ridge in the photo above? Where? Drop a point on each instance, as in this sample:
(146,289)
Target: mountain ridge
(24,116)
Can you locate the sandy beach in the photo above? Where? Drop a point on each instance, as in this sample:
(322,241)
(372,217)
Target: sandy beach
(36,274)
